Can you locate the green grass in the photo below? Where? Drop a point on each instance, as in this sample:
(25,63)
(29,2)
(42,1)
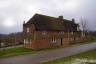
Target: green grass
(15,52)
(93,40)
(89,55)
(22,50)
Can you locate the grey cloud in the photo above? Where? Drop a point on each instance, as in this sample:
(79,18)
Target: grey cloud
(21,10)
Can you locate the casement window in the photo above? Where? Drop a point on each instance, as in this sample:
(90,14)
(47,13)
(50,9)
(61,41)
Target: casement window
(2,44)
(61,32)
(25,41)
(53,40)
(44,33)
(72,33)
(30,41)
(78,29)
(28,29)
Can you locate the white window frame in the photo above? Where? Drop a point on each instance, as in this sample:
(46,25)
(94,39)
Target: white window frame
(78,29)
(28,29)
(44,33)
(72,33)
(54,40)
(2,44)
(27,41)
(61,32)
(24,41)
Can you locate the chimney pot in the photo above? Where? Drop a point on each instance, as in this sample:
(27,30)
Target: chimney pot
(24,22)
(61,17)
(73,19)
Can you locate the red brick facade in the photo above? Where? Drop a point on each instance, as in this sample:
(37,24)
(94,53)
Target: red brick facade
(50,39)
(40,39)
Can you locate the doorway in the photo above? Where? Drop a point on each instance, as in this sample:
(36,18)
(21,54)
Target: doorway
(61,41)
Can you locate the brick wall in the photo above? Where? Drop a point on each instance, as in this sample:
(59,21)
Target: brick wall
(42,44)
(43,39)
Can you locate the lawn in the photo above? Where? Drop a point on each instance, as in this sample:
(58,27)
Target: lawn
(76,59)
(15,52)
(22,50)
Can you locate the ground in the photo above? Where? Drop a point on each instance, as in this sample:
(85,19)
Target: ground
(21,50)
(79,59)
(15,51)
(48,55)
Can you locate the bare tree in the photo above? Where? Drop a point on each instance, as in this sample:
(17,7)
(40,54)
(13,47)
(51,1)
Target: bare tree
(84,26)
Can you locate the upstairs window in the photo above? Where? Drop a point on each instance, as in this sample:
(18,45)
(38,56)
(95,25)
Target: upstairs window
(61,32)
(78,29)
(72,33)
(44,33)
(28,29)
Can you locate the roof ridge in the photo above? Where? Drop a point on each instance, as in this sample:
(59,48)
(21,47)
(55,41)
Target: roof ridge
(50,16)
(45,15)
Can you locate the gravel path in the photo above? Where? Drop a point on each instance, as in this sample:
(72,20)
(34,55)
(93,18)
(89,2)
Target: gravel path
(49,55)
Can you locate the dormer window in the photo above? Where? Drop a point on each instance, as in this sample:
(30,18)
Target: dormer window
(28,29)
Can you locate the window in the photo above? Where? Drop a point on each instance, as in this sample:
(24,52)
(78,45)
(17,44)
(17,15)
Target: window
(28,29)
(78,29)
(72,33)
(61,32)
(25,41)
(44,33)
(2,44)
(71,39)
(30,41)
(53,40)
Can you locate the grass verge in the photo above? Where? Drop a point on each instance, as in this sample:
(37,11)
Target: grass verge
(89,55)
(23,51)
(15,52)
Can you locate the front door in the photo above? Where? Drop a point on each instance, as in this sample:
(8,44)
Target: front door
(61,41)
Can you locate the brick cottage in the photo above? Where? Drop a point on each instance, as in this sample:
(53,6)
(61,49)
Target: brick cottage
(43,31)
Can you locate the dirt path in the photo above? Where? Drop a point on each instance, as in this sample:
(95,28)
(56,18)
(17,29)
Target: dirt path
(49,55)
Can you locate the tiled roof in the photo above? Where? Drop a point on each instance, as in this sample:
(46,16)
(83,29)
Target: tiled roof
(43,22)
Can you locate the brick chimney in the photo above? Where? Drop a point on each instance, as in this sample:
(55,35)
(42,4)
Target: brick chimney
(24,22)
(60,17)
(73,20)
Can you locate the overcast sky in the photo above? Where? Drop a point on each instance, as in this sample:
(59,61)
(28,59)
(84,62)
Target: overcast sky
(14,12)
